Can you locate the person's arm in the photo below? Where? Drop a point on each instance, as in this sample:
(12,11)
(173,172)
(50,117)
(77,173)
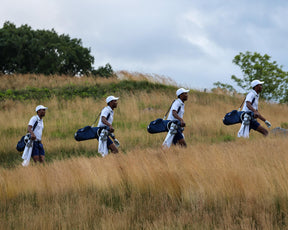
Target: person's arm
(29,129)
(105,122)
(175,114)
(256,113)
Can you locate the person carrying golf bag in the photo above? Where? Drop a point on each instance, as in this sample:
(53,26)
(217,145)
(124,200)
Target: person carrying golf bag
(176,113)
(37,153)
(251,105)
(105,125)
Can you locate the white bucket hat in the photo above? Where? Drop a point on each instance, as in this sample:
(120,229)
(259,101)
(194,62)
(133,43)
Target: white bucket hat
(40,107)
(256,82)
(181,90)
(111,98)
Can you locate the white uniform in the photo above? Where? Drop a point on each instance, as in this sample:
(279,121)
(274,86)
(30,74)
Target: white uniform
(39,128)
(178,103)
(105,112)
(252,97)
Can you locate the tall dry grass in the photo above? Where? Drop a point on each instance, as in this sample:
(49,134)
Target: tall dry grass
(203,116)
(18,81)
(237,185)
(217,182)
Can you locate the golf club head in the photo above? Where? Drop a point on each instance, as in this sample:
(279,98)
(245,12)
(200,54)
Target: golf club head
(117,143)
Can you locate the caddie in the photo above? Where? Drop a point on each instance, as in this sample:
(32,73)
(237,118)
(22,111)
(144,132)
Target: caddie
(38,153)
(106,120)
(251,104)
(176,113)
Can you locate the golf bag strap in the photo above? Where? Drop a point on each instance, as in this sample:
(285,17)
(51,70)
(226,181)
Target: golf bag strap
(168,110)
(241,104)
(98,117)
(178,110)
(96,120)
(35,125)
(244,101)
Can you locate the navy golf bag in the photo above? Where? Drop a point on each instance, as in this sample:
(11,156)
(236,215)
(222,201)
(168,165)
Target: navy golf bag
(232,117)
(235,117)
(160,125)
(86,133)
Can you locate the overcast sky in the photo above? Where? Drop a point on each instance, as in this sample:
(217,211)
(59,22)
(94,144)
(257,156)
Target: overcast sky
(192,42)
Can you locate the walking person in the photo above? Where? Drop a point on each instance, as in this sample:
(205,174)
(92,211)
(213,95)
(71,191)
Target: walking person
(106,120)
(176,113)
(251,104)
(38,153)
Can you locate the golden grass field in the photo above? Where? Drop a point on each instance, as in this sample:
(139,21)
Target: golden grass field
(218,182)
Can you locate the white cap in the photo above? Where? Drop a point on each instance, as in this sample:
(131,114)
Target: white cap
(181,90)
(111,98)
(40,107)
(256,82)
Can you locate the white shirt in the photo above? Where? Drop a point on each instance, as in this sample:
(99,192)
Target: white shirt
(39,128)
(105,112)
(250,97)
(178,103)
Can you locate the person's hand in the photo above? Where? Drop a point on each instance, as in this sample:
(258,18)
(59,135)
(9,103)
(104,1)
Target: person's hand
(33,137)
(111,129)
(182,123)
(256,114)
(268,124)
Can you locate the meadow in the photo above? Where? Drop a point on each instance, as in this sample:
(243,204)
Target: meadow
(218,182)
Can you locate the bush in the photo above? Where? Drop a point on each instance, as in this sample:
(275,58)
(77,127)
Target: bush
(23,50)
(284,125)
(105,72)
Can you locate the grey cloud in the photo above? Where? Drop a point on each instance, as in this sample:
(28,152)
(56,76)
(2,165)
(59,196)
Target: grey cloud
(190,41)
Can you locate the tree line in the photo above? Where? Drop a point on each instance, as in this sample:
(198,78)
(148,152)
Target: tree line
(256,66)
(24,50)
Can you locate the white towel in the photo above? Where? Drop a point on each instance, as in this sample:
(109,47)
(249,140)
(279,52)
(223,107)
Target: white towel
(27,153)
(168,140)
(102,145)
(170,135)
(244,129)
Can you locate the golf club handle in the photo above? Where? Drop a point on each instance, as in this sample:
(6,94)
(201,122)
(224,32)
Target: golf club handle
(117,143)
(112,135)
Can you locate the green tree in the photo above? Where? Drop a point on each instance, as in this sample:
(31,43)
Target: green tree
(255,66)
(105,71)
(225,87)
(23,50)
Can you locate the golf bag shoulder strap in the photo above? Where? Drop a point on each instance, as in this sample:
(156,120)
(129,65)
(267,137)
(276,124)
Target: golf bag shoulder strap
(168,110)
(244,101)
(242,104)
(178,110)
(35,125)
(98,117)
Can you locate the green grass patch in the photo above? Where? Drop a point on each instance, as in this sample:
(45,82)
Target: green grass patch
(72,91)
(284,125)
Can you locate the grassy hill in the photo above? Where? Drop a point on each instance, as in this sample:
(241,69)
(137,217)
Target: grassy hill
(217,182)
